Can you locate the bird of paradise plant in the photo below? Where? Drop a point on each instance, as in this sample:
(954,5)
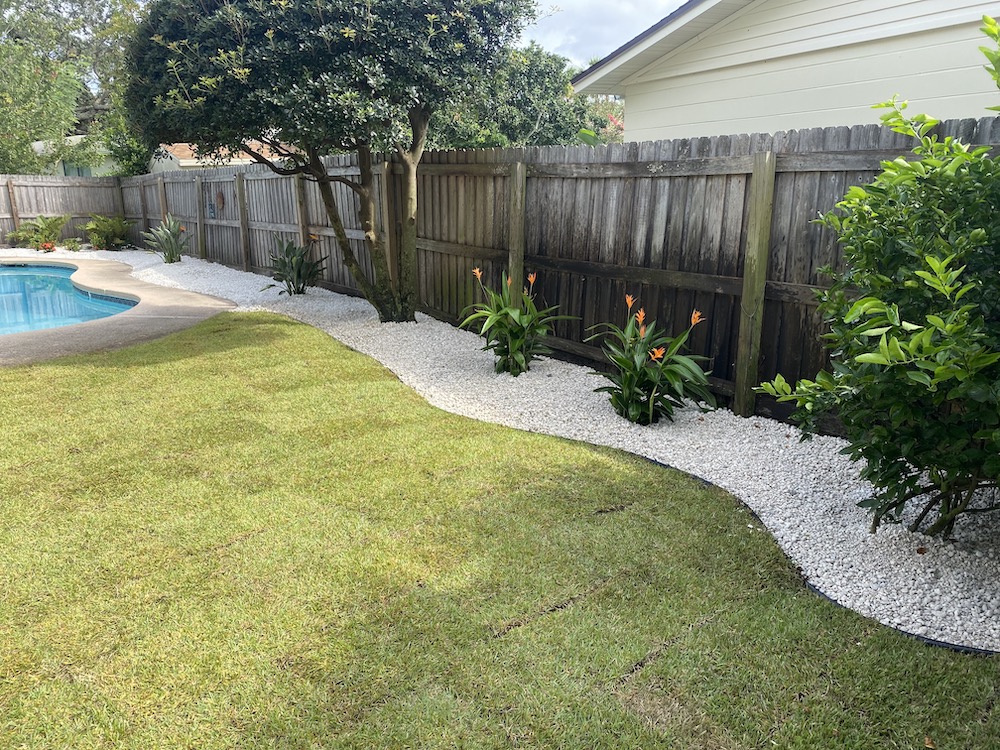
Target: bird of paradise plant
(650,377)
(514,327)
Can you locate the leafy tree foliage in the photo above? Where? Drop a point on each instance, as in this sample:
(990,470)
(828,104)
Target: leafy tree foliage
(37,102)
(63,61)
(307,79)
(529,102)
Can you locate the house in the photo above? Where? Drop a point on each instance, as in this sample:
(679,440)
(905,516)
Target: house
(172,156)
(722,67)
(63,168)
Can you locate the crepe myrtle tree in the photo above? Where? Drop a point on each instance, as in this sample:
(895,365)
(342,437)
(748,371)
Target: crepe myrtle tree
(288,82)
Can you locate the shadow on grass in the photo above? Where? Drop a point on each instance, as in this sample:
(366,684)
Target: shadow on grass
(208,338)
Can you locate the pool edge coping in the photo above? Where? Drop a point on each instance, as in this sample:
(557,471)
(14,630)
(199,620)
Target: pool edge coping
(159,311)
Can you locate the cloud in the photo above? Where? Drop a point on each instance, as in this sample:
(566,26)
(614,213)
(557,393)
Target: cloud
(585,29)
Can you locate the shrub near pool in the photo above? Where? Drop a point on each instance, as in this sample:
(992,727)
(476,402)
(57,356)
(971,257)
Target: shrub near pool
(247,536)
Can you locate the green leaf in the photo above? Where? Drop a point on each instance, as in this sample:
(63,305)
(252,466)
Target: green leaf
(919,377)
(872,358)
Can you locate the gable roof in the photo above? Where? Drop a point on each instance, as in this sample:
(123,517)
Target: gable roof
(694,17)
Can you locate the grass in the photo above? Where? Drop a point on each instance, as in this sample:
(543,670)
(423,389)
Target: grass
(248,536)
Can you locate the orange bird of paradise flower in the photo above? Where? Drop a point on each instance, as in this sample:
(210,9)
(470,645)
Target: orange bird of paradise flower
(640,317)
(657,354)
(478,274)
(696,317)
(629,300)
(531,279)
(509,282)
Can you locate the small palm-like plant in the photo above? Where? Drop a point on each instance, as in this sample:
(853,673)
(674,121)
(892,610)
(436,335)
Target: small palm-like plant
(167,240)
(41,233)
(292,266)
(650,375)
(514,328)
(107,232)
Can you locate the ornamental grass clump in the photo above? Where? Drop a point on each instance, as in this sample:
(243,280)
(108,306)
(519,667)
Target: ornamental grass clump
(513,326)
(914,335)
(650,377)
(167,240)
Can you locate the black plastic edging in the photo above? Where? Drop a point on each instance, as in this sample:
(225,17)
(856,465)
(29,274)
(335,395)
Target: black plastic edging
(958,648)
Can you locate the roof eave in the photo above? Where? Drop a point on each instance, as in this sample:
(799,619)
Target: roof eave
(609,76)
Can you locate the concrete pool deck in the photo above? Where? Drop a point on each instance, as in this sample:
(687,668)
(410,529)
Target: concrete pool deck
(159,311)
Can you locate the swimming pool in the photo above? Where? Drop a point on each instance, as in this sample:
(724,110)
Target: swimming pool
(37,297)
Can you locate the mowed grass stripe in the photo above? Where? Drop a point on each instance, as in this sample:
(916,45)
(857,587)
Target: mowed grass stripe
(247,535)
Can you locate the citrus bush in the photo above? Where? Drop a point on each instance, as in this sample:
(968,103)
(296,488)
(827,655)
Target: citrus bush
(915,332)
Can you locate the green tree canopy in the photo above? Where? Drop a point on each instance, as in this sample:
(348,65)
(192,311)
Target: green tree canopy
(62,73)
(307,79)
(37,96)
(529,102)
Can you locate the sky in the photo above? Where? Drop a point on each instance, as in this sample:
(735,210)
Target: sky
(585,29)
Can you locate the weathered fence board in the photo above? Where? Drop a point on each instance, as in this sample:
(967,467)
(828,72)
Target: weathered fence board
(27,197)
(681,224)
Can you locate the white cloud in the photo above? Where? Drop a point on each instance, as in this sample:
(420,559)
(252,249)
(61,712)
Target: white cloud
(586,29)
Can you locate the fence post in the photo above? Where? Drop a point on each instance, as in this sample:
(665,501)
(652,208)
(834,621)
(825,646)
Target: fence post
(754,282)
(162,185)
(518,197)
(200,215)
(302,210)
(241,203)
(143,206)
(121,195)
(13,204)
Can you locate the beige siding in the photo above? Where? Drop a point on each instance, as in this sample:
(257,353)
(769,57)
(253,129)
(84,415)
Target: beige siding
(784,64)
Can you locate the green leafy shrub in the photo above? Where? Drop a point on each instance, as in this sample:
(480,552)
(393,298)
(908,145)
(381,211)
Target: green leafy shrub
(107,232)
(915,332)
(39,232)
(650,375)
(167,240)
(292,266)
(514,328)
(72,244)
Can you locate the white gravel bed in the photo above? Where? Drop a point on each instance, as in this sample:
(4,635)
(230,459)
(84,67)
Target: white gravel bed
(804,493)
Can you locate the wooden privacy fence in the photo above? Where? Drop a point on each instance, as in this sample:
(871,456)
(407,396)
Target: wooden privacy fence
(724,225)
(24,197)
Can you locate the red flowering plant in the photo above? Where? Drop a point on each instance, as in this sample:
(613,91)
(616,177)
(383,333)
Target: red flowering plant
(650,377)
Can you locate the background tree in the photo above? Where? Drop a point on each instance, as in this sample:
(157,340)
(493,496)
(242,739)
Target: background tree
(529,102)
(37,95)
(63,72)
(310,79)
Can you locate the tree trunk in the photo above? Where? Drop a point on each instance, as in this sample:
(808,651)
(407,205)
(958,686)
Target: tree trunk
(379,292)
(399,311)
(419,119)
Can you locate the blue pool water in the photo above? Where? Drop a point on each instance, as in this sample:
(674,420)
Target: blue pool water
(35,297)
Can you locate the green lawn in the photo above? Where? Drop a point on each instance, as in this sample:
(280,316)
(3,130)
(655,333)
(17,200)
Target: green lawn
(247,535)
